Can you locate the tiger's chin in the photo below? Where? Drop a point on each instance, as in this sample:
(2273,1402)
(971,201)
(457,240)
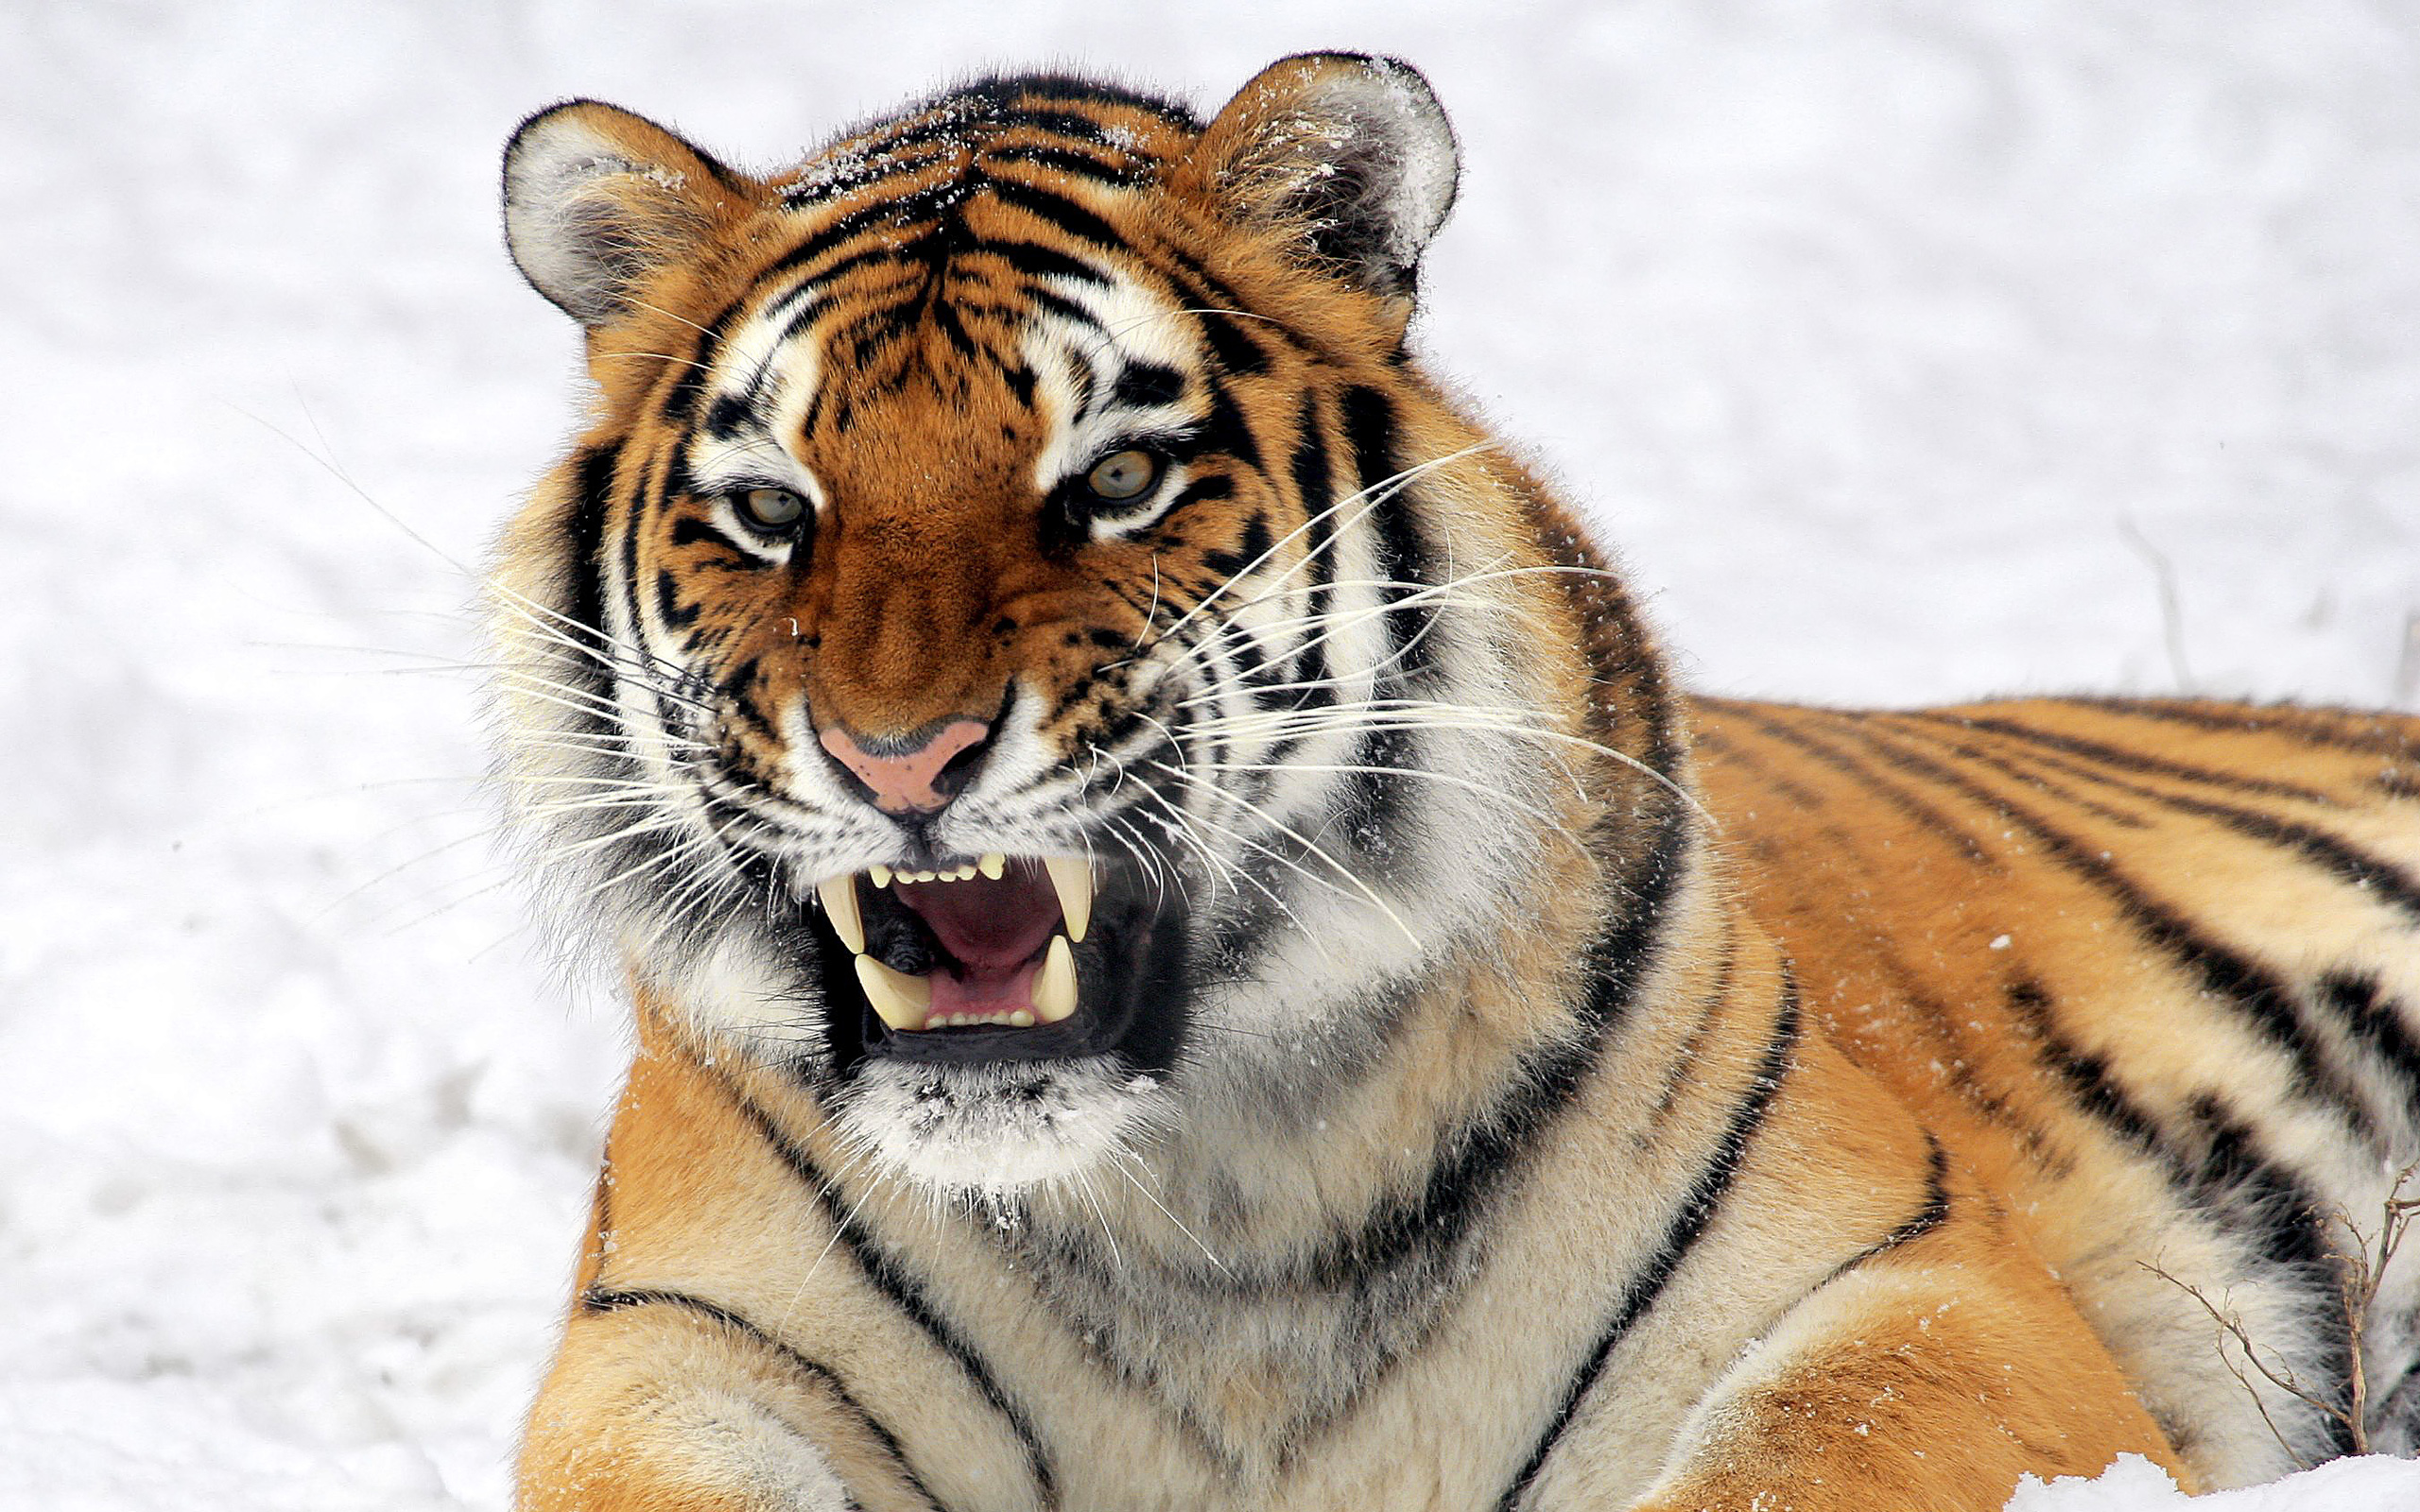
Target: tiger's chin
(996,1130)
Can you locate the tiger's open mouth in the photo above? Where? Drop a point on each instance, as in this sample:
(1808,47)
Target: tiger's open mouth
(993,959)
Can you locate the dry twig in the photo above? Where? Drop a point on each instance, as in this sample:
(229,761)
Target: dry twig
(2361,1259)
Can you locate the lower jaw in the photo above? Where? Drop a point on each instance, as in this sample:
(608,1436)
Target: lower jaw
(1129,1005)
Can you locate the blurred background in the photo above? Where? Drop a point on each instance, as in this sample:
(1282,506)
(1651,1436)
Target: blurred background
(1904,352)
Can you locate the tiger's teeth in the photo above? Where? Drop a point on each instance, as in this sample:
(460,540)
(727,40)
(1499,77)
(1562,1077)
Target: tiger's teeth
(992,866)
(881,875)
(839,895)
(1054,986)
(1072,877)
(899,999)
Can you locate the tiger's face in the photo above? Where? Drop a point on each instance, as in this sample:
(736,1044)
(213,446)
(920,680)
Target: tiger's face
(988,651)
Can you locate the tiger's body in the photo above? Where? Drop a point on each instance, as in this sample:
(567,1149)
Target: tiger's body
(1384,1045)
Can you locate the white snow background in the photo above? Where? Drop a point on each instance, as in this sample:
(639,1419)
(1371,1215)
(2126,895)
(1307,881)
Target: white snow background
(1905,351)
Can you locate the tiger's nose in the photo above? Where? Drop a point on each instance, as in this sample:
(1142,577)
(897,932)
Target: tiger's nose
(909,776)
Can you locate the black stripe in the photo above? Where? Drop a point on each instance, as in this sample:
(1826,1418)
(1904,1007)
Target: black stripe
(2289,1221)
(1067,161)
(1370,807)
(2028,768)
(1401,551)
(601,1300)
(2266,1000)
(1936,1208)
(1225,429)
(1217,486)
(1238,355)
(1495,1148)
(1059,123)
(2331,853)
(1688,1224)
(1147,384)
(1034,260)
(728,413)
(670,477)
(681,399)
(584,595)
(1370,430)
(1012,89)
(2332,728)
(899,1288)
(2232,1162)
(2129,760)
(1684,1065)
(1934,1212)
(1315,490)
(946,318)
(1066,309)
(739,687)
(917,204)
(1210,299)
(588,663)
(886,255)
(678,615)
(1058,211)
(1923,815)
(2089,1079)
(2371,1014)
(1252,548)
(692,530)
(2347,861)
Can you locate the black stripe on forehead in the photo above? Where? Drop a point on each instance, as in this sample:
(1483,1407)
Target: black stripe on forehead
(923,203)
(1148,385)
(1060,211)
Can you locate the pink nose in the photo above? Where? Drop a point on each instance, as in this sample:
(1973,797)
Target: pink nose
(911,783)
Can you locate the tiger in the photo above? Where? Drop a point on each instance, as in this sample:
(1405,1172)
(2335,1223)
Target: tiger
(1188,949)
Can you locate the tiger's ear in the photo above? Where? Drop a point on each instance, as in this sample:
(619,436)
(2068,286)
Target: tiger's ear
(1352,153)
(596,198)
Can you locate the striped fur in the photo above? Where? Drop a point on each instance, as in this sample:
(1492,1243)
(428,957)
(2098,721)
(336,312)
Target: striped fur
(1539,1090)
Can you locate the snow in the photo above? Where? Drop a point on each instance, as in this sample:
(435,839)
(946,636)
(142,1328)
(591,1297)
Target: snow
(1904,353)
(2373,1484)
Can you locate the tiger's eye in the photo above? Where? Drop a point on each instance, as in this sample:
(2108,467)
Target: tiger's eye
(1126,475)
(771,508)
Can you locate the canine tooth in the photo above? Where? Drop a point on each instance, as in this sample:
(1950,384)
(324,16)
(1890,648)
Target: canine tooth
(1054,986)
(899,999)
(1021,1019)
(881,875)
(839,895)
(1073,880)
(992,865)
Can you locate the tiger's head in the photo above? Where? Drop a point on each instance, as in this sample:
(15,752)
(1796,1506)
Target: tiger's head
(1020,643)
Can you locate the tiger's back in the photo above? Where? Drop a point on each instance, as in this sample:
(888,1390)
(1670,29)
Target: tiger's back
(2152,966)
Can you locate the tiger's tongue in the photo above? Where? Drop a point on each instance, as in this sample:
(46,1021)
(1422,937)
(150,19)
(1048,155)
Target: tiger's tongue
(991,929)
